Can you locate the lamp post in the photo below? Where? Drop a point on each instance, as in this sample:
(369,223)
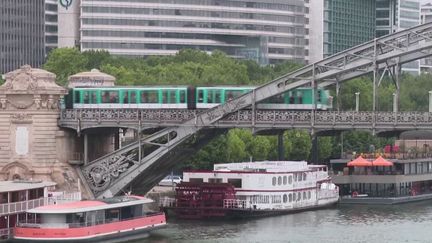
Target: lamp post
(395,98)
(357,100)
(430,101)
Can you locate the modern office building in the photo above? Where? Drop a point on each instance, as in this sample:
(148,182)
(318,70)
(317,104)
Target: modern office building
(426,17)
(396,15)
(22,33)
(69,23)
(265,31)
(336,25)
(51,25)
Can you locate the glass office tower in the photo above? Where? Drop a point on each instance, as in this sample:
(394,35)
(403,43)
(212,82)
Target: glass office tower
(22,34)
(261,30)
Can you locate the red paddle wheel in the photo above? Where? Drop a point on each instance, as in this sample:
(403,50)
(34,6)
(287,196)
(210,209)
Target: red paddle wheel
(202,200)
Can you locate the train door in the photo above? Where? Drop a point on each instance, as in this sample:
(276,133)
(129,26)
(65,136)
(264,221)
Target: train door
(191,99)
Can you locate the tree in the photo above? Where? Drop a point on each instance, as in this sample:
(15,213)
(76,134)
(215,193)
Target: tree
(301,144)
(236,148)
(96,58)
(65,62)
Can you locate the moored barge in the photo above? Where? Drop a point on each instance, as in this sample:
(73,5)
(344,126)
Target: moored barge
(252,189)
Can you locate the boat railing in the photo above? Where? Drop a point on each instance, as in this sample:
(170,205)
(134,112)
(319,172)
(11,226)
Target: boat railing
(235,203)
(18,207)
(5,233)
(167,202)
(35,223)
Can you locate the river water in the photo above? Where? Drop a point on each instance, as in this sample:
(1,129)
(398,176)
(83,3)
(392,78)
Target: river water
(399,223)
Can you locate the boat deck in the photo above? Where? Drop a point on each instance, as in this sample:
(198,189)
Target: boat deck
(384,200)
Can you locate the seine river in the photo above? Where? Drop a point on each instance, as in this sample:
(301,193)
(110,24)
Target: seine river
(401,223)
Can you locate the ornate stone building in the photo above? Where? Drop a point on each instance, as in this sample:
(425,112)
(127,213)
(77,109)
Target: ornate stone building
(32,146)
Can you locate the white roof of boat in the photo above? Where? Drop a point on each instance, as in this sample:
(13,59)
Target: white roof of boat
(263,166)
(91,205)
(21,185)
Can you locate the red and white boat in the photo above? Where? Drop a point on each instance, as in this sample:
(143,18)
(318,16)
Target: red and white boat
(114,219)
(252,189)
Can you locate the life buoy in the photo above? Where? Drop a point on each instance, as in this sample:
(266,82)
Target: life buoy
(354,194)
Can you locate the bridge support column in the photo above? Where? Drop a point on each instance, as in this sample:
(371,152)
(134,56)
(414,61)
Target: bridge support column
(117,140)
(315,151)
(281,148)
(85,148)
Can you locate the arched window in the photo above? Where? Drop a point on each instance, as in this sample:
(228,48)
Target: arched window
(274,181)
(309,194)
(290,179)
(298,196)
(290,197)
(299,177)
(279,180)
(294,196)
(295,176)
(304,176)
(285,198)
(284,180)
(304,196)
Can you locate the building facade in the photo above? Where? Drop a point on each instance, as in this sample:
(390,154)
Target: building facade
(396,15)
(22,33)
(51,25)
(426,17)
(268,32)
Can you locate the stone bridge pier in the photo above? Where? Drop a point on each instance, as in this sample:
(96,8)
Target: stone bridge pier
(32,145)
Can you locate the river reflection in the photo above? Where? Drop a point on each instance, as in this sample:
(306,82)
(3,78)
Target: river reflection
(400,223)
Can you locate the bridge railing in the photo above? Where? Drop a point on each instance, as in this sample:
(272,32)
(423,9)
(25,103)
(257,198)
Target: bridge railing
(176,116)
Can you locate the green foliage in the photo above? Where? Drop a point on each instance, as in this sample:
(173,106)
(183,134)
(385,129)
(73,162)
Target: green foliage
(301,144)
(65,62)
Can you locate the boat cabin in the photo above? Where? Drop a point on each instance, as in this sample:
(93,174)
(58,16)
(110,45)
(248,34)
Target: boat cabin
(88,213)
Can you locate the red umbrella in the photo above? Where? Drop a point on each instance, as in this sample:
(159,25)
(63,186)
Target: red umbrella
(360,162)
(380,161)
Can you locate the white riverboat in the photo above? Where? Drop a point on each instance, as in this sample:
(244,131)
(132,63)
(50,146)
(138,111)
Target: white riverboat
(253,189)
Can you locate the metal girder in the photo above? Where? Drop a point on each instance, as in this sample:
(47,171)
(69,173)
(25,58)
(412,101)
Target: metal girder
(106,176)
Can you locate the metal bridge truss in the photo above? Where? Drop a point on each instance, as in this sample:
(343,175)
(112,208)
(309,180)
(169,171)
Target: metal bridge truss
(113,173)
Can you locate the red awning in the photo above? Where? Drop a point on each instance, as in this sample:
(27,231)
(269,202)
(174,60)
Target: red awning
(380,161)
(360,162)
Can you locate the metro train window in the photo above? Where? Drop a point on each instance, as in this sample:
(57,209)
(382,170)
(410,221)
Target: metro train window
(200,96)
(133,99)
(86,97)
(110,96)
(210,96)
(319,96)
(218,96)
(149,96)
(232,94)
(125,97)
(77,96)
(172,96)
(182,95)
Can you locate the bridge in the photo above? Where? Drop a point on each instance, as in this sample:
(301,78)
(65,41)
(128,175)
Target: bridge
(131,167)
(316,121)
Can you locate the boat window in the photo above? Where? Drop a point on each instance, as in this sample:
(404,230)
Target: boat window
(215,180)
(298,196)
(290,179)
(285,198)
(284,180)
(304,196)
(279,180)
(295,177)
(274,181)
(304,176)
(112,215)
(309,194)
(294,196)
(290,197)
(196,180)
(75,219)
(237,183)
(299,177)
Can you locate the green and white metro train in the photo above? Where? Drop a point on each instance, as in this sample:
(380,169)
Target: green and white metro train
(187,97)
